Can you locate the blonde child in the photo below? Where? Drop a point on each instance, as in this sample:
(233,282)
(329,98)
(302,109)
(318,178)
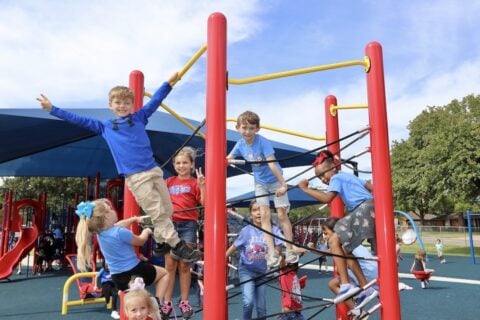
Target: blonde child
(268,178)
(117,245)
(127,139)
(186,192)
(138,305)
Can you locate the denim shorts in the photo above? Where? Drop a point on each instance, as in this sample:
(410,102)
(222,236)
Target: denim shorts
(279,202)
(187,231)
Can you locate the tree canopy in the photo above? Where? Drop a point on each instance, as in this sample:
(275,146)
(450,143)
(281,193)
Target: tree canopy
(437,169)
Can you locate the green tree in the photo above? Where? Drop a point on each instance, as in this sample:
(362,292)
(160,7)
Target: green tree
(58,189)
(436,170)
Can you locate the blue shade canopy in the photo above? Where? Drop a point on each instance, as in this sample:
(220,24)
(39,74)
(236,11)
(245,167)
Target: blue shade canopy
(33,143)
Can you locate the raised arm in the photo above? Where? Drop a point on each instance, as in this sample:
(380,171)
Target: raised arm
(324,197)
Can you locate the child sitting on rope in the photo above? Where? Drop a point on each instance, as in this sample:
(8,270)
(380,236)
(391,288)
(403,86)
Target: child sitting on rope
(351,230)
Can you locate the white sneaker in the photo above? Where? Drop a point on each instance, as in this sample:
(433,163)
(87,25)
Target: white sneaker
(291,256)
(19,272)
(115,314)
(423,285)
(273,260)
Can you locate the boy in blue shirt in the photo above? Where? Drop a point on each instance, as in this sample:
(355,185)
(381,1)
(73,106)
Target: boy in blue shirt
(350,231)
(130,146)
(268,179)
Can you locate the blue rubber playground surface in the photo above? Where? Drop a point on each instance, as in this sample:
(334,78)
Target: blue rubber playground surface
(453,293)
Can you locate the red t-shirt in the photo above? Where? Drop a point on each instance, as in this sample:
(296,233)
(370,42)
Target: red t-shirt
(289,283)
(184,194)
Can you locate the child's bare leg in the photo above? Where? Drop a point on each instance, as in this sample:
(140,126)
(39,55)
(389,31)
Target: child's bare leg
(267,225)
(161,282)
(171,268)
(340,263)
(357,270)
(285,225)
(185,280)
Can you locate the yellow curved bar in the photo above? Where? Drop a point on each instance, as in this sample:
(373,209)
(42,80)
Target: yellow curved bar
(177,116)
(365,62)
(293,133)
(190,63)
(334,108)
(66,289)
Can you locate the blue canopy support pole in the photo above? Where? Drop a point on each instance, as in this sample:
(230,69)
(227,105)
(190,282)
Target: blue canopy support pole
(470,236)
(414,226)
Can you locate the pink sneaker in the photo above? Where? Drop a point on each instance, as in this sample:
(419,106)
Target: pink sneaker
(165,310)
(186,309)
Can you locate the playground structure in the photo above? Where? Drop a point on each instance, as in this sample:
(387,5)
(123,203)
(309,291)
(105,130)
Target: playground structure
(215,231)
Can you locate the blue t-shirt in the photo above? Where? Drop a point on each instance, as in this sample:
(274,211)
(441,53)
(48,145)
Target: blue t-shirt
(126,137)
(259,150)
(115,243)
(251,242)
(369,267)
(350,188)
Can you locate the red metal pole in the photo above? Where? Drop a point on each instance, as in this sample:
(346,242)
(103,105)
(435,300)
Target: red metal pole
(130,206)
(215,306)
(336,206)
(382,185)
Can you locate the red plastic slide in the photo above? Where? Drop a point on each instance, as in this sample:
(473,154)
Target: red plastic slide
(24,244)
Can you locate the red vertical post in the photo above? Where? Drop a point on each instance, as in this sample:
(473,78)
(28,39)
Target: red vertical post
(382,185)
(130,206)
(336,206)
(97,185)
(215,305)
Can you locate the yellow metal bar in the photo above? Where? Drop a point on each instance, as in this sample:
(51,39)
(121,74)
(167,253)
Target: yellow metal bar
(365,63)
(293,133)
(66,289)
(190,63)
(176,115)
(334,108)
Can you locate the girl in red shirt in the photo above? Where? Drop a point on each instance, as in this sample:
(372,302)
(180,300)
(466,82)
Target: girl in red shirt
(186,193)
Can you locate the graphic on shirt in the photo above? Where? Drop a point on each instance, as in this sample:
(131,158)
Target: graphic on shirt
(179,189)
(256,249)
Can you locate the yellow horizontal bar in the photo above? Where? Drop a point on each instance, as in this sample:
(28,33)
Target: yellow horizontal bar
(293,133)
(365,62)
(334,108)
(177,116)
(190,63)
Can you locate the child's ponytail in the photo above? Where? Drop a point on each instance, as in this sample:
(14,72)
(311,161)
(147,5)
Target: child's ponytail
(82,238)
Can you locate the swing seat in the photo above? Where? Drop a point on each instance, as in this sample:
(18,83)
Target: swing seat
(421,275)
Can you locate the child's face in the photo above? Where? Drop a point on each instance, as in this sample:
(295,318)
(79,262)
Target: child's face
(137,309)
(327,232)
(255,213)
(322,173)
(121,107)
(183,166)
(248,131)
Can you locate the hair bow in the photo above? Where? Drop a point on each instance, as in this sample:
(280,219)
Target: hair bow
(85,209)
(322,155)
(137,283)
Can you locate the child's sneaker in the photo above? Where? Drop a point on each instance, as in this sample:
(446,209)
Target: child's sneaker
(346,292)
(423,284)
(165,310)
(291,257)
(365,297)
(161,249)
(273,260)
(185,309)
(115,314)
(185,253)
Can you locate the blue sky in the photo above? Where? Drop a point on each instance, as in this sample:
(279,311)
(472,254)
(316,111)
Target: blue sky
(74,52)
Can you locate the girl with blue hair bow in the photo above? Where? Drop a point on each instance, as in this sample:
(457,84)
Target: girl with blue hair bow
(117,245)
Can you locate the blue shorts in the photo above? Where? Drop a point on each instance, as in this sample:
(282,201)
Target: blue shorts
(187,231)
